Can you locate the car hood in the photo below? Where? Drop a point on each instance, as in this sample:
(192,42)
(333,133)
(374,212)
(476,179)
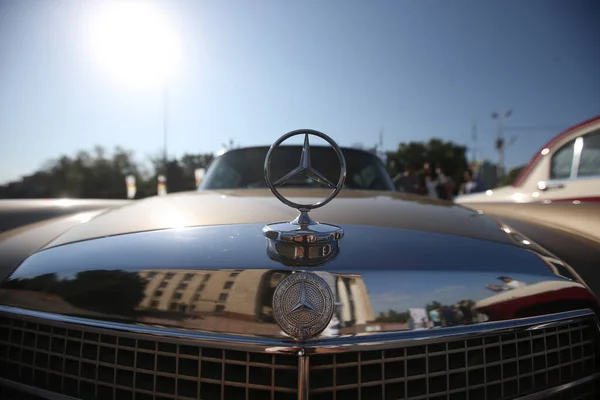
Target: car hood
(502,194)
(399,256)
(217,283)
(225,207)
(21,212)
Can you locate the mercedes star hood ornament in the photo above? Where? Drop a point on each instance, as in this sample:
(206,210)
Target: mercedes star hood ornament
(303,241)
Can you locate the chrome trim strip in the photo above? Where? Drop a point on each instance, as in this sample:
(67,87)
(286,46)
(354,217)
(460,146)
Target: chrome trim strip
(303,376)
(559,389)
(336,344)
(569,180)
(577,150)
(35,391)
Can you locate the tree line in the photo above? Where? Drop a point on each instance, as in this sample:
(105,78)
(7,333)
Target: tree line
(98,173)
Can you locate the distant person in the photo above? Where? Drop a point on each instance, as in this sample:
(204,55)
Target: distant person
(509,284)
(470,185)
(408,181)
(457,314)
(448,316)
(430,181)
(434,316)
(465,308)
(446,185)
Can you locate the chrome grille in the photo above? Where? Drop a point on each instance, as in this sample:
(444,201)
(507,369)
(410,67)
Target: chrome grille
(88,364)
(492,367)
(93,363)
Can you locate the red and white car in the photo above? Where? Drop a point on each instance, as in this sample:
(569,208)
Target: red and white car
(559,187)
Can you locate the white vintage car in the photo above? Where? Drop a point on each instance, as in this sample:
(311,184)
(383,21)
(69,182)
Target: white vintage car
(560,187)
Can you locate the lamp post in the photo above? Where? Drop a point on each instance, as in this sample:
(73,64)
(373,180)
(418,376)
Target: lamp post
(137,43)
(500,143)
(163,178)
(165,126)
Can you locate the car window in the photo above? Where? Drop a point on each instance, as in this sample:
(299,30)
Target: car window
(244,168)
(562,162)
(225,176)
(589,163)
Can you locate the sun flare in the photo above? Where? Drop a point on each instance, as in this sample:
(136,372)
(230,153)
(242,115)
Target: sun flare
(135,43)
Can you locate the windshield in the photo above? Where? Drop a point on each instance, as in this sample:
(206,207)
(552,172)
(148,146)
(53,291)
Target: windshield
(244,168)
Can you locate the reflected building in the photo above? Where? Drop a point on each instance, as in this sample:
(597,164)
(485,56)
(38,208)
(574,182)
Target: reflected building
(245,295)
(353,301)
(191,292)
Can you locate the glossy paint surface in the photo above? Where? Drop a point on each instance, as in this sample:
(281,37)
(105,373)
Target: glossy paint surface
(259,206)
(15,213)
(221,280)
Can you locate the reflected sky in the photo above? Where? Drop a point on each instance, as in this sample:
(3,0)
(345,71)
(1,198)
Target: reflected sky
(414,289)
(241,300)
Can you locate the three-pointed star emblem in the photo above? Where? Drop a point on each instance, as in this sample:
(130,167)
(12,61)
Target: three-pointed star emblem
(303,304)
(305,169)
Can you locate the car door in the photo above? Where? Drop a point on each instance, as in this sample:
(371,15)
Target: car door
(570,198)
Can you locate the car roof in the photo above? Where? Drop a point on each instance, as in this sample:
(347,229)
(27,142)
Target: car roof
(344,148)
(538,155)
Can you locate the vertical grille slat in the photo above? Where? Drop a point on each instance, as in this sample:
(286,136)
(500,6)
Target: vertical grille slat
(467,373)
(64,359)
(382,374)
(247,391)
(272,376)
(405,384)
(427,370)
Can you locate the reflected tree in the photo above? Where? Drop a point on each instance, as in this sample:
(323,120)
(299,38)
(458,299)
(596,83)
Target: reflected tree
(44,283)
(116,292)
(113,292)
(449,156)
(511,176)
(393,316)
(434,305)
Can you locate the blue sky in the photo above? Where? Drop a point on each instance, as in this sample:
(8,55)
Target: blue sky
(416,289)
(253,70)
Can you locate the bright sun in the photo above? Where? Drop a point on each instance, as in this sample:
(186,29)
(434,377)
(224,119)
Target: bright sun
(135,43)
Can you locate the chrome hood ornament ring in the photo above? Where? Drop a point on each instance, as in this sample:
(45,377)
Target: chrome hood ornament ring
(305,167)
(302,241)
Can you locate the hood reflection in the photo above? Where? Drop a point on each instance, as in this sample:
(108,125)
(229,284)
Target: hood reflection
(239,301)
(519,300)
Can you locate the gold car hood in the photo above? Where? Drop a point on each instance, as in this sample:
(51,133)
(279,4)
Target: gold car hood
(224,207)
